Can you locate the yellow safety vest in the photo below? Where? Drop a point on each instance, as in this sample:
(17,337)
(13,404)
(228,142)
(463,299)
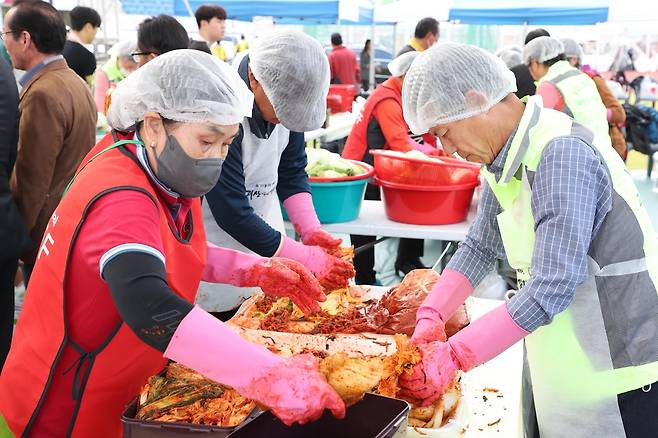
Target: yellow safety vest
(582,101)
(606,342)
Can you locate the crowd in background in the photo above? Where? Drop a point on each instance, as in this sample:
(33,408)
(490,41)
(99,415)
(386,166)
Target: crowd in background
(64,94)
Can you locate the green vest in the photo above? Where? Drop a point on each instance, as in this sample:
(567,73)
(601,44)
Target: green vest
(111,69)
(606,341)
(582,101)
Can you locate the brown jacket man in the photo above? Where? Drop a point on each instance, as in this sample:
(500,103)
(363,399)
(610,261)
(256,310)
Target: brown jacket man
(57,115)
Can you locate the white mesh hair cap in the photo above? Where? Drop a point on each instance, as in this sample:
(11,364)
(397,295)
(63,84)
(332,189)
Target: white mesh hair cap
(542,49)
(400,65)
(572,49)
(123,49)
(451,82)
(182,85)
(512,56)
(293,70)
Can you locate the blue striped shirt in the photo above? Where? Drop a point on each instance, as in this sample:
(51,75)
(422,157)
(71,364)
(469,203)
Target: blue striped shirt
(571,196)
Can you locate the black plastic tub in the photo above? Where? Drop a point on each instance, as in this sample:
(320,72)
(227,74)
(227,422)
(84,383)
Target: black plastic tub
(373,417)
(133,428)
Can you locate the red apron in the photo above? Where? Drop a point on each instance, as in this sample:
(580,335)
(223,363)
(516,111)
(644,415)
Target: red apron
(110,376)
(356,145)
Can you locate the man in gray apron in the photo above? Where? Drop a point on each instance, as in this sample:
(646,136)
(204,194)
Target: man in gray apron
(288,73)
(561,207)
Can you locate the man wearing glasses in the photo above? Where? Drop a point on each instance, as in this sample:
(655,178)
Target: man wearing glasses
(57,116)
(158,35)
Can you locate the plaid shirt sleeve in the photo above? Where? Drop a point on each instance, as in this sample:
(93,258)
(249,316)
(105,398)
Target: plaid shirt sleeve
(571,195)
(477,254)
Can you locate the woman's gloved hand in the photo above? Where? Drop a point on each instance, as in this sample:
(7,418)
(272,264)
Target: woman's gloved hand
(277,277)
(295,391)
(332,272)
(280,277)
(292,388)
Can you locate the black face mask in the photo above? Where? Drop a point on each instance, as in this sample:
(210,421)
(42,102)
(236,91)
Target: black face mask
(185,175)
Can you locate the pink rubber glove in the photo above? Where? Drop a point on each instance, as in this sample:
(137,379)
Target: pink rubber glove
(481,341)
(292,388)
(276,276)
(324,240)
(302,214)
(431,377)
(424,148)
(446,296)
(332,272)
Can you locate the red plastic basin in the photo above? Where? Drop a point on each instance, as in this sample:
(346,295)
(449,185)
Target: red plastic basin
(443,171)
(420,205)
(340,97)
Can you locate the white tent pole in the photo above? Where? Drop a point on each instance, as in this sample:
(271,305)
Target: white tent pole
(395,38)
(189,8)
(371,67)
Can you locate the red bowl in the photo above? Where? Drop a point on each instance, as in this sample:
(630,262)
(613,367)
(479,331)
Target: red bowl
(422,205)
(443,171)
(369,172)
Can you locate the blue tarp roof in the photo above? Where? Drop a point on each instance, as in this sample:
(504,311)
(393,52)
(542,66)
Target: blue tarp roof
(283,11)
(534,12)
(551,12)
(319,11)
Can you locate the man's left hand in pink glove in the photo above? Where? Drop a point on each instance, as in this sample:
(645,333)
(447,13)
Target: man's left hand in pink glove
(322,239)
(302,214)
(277,276)
(332,272)
(318,247)
(484,339)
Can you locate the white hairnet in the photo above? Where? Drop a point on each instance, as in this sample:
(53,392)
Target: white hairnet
(572,49)
(450,82)
(123,49)
(542,49)
(511,56)
(182,85)
(294,73)
(400,65)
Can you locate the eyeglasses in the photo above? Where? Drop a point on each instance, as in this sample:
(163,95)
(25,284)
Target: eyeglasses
(137,55)
(2,34)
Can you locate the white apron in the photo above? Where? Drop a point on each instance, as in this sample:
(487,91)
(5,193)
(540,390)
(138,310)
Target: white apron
(260,162)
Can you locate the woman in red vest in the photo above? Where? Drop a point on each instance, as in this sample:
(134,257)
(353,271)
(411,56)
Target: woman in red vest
(381,125)
(112,293)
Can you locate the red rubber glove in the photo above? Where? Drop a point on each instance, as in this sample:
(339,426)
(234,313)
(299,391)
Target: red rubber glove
(280,277)
(322,239)
(332,272)
(295,391)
